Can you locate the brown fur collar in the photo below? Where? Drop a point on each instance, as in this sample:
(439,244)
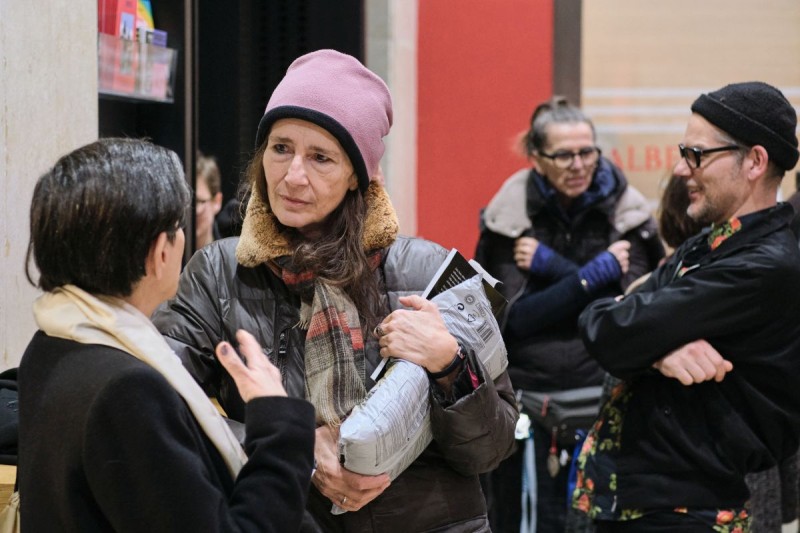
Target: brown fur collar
(261,240)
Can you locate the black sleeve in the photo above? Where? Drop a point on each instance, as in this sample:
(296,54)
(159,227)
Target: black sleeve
(628,336)
(148,462)
(541,310)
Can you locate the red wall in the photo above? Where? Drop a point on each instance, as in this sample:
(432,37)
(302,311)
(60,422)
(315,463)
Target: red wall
(483,65)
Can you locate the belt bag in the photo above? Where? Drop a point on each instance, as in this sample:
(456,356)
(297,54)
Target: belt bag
(563,412)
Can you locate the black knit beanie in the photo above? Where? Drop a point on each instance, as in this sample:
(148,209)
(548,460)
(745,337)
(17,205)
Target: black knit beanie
(754,113)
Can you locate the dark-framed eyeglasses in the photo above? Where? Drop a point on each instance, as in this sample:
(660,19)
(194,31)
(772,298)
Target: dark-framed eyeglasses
(693,155)
(563,159)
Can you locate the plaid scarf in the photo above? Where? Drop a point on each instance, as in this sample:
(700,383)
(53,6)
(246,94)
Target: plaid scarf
(335,362)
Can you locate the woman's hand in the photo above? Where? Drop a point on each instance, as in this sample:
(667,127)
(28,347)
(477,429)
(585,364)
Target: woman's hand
(621,251)
(348,490)
(255,376)
(524,250)
(417,335)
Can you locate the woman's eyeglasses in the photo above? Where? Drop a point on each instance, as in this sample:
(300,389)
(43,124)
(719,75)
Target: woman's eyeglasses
(564,159)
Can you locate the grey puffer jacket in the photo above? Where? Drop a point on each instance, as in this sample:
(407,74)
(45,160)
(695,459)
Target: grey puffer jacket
(440,491)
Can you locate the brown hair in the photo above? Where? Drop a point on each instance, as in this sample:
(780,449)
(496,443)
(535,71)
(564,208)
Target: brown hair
(674,224)
(338,256)
(208,171)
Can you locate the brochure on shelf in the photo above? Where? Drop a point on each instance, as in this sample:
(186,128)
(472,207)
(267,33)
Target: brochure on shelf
(117,18)
(135,70)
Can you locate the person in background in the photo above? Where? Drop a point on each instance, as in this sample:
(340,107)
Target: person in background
(114,434)
(229,220)
(558,235)
(318,267)
(711,351)
(207,200)
(675,226)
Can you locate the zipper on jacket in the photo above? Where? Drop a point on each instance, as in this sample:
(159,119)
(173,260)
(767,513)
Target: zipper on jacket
(283,345)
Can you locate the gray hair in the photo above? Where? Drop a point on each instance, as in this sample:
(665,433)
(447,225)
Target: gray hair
(555,110)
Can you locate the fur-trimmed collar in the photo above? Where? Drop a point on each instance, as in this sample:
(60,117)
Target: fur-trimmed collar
(261,240)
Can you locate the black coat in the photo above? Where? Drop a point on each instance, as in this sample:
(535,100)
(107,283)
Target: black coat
(545,351)
(217,296)
(106,444)
(691,446)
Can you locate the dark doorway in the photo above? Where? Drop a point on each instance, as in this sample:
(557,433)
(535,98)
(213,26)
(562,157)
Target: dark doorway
(244,50)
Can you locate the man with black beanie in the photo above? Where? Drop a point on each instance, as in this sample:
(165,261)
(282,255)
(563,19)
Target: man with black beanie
(709,346)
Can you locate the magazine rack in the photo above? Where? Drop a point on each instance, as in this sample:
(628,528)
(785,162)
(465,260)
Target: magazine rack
(135,71)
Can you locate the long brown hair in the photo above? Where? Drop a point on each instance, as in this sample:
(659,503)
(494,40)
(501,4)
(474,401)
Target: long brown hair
(338,256)
(674,224)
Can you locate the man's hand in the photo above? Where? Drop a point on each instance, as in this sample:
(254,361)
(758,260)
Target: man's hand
(348,490)
(694,362)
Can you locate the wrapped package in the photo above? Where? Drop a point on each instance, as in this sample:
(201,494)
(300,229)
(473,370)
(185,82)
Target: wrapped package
(391,427)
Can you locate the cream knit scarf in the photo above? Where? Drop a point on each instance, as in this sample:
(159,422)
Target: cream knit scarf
(72,313)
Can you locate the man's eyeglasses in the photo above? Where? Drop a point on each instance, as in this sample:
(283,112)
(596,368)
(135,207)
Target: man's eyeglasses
(694,155)
(201,202)
(563,159)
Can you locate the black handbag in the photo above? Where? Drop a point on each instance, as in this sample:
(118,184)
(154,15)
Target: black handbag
(563,412)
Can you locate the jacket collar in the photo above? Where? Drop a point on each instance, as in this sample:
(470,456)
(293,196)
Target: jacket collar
(262,239)
(697,250)
(760,223)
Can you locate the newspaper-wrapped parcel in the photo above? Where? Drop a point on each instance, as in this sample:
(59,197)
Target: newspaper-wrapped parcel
(391,427)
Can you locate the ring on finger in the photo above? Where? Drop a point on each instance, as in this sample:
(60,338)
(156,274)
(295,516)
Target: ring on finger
(378,331)
(344,500)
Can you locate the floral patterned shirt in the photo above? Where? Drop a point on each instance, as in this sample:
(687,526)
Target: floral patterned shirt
(596,485)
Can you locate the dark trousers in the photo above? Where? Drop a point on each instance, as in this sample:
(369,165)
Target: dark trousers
(505,490)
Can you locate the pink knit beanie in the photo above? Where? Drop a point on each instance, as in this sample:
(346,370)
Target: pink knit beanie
(335,91)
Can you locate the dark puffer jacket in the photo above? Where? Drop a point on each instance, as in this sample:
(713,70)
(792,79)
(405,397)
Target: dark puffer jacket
(546,353)
(217,296)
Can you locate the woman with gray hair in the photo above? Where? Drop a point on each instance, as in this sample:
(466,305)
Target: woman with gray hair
(114,434)
(560,233)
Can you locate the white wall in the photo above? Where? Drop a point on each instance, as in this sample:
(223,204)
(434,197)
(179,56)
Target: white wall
(48,106)
(391,52)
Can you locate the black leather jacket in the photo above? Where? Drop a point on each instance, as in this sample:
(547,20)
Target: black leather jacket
(217,296)
(691,446)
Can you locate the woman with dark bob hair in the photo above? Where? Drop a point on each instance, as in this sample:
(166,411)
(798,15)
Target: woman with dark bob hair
(114,434)
(318,266)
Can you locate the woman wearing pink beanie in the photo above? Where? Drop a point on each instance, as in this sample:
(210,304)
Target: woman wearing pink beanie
(318,266)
